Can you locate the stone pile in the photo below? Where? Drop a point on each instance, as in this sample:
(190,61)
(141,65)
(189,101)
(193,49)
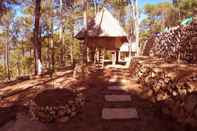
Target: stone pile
(179,43)
(56,109)
(169,85)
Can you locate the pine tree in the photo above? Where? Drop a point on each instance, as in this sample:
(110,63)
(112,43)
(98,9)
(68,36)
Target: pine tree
(36,43)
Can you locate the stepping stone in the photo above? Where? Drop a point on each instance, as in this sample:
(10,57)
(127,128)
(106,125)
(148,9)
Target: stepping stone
(117,98)
(112,80)
(119,113)
(124,81)
(116,88)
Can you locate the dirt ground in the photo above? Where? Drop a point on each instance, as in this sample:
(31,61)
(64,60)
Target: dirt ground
(89,119)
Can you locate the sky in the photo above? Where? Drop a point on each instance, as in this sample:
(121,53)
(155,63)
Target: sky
(141,4)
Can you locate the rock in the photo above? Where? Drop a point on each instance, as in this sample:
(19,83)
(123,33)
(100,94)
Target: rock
(149,93)
(174,93)
(192,85)
(61,112)
(70,102)
(73,108)
(50,113)
(73,114)
(161,97)
(171,84)
(63,119)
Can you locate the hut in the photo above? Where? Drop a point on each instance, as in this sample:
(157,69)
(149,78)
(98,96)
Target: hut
(104,33)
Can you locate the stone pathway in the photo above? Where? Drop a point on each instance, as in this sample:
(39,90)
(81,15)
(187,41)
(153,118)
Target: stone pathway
(116,88)
(118,113)
(117,98)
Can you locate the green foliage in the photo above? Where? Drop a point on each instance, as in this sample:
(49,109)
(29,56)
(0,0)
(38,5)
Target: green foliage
(166,14)
(2,72)
(144,35)
(159,14)
(187,8)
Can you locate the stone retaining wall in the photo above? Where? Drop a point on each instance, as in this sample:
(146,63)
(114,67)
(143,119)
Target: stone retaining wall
(179,43)
(173,86)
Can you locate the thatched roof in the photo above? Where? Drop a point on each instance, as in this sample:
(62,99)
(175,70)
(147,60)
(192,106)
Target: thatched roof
(103,25)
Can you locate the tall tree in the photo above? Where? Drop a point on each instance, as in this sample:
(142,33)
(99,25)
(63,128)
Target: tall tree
(85,20)
(7,20)
(36,43)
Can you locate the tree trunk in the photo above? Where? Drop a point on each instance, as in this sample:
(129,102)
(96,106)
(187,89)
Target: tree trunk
(23,50)
(51,41)
(48,54)
(52,54)
(7,59)
(18,66)
(72,44)
(4,57)
(132,29)
(71,54)
(36,43)
(95,7)
(62,62)
(86,34)
(30,52)
(61,58)
(137,27)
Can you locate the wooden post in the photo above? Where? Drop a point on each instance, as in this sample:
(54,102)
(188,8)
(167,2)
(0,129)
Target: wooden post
(88,55)
(99,58)
(117,56)
(113,58)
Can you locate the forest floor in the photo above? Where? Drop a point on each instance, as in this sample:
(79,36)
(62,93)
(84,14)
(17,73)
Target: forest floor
(90,117)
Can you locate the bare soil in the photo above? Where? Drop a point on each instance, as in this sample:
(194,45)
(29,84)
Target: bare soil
(46,98)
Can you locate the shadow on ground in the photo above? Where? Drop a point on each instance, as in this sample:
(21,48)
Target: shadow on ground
(89,119)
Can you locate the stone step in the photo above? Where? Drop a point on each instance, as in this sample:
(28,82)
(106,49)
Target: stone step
(124,81)
(112,80)
(117,98)
(119,113)
(117,88)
